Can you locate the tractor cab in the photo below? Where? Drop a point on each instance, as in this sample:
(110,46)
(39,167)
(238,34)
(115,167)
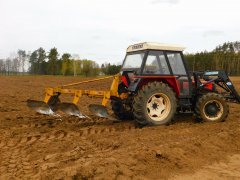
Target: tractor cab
(154,61)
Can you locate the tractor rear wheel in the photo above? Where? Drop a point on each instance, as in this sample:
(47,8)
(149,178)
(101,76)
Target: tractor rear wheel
(211,107)
(121,111)
(154,104)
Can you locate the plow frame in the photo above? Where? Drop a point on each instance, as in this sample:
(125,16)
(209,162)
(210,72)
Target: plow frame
(78,93)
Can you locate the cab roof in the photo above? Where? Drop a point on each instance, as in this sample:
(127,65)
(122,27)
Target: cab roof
(154,46)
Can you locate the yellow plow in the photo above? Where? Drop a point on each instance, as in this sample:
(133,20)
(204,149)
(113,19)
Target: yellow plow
(51,102)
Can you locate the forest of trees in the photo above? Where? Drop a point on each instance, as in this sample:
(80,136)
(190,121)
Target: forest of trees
(13,66)
(39,62)
(226,57)
(42,63)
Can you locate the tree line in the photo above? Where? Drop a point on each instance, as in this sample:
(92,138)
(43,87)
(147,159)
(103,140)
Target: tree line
(39,62)
(15,65)
(42,63)
(223,57)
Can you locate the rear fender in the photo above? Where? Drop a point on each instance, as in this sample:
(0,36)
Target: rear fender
(141,81)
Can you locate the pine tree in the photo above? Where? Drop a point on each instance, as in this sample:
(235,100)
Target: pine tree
(41,60)
(52,62)
(67,68)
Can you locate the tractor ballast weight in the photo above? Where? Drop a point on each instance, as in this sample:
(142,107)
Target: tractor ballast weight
(153,84)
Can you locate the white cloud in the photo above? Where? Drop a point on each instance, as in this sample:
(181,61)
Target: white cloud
(213,33)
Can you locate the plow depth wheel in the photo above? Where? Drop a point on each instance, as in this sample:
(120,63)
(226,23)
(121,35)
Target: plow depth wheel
(154,104)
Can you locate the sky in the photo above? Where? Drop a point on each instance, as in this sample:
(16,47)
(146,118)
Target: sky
(101,30)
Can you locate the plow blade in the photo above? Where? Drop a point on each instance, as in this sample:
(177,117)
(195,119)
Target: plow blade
(99,110)
(40,107)
(70,109)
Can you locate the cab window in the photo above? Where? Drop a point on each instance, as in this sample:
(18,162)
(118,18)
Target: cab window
(156,63)
(176,63)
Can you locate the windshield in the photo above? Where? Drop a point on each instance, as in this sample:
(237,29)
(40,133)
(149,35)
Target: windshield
(133,61)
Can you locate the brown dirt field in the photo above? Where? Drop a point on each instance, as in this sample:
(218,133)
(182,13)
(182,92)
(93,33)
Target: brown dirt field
(34,146)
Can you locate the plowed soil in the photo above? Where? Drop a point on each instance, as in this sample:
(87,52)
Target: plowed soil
(34,146)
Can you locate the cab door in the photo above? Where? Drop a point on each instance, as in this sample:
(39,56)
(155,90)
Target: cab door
(178,69)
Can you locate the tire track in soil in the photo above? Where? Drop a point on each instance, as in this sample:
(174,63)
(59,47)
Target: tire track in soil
(16,163)
(17,158)
(85,130)
(80,155)
(54,121)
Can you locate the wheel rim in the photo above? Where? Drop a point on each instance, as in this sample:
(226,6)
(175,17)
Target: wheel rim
(158,107)
(213,110)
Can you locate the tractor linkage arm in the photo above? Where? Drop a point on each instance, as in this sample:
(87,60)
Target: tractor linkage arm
(220,78)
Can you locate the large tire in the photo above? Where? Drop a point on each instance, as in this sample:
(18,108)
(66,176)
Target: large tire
(211,107)
(154,104)
(121,111)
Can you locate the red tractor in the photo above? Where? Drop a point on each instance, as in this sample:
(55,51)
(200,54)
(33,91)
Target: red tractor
(159,83)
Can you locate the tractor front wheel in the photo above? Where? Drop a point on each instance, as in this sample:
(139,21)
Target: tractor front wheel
(211,107)
(154,104)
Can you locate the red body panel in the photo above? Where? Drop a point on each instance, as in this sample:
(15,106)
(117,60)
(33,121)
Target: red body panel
(124,80)
(170,80)
(209,86)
